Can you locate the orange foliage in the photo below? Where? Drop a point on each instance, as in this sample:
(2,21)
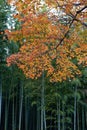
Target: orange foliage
(47,43)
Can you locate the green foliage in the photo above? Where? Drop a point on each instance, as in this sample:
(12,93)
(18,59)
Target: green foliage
(76,82)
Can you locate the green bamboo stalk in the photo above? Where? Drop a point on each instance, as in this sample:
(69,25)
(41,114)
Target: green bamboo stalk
(38,117)
(21,103)
(63,123)
(86,117)
(42,118)
(83,119)
(7,102)
(58,113)
(43,113)
(51,122)
(26,113)
(75,105)
(0,96)
(13,118)
(6,113)
(78,117)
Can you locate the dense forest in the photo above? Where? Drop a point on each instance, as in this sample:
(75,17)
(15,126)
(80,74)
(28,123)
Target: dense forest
(43,64)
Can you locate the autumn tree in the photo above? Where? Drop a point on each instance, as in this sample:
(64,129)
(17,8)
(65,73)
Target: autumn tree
(50,40)
(52,36)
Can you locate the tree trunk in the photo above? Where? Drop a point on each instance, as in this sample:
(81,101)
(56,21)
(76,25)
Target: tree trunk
(63,124)
(38,117)
(13,118)
(43,114)
(26,115)
(42,105)
(44,118)
(75,108)
(6,113)
(16,108)
(83,121)
(0,96)
(58,113)
(26,112)
(86,117)
(21,103)
(7,103)
(78,117)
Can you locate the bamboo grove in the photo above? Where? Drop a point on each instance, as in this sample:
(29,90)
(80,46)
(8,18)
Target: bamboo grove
(43,65)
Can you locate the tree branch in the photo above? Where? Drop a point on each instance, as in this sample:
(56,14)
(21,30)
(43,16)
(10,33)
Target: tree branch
(79,11)
(74,18)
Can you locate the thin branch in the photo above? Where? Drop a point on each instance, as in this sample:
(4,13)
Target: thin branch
(74,18)
(79,11)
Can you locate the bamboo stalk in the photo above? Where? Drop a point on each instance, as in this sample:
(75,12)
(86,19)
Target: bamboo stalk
(75,105)
(21,103)
(0,97)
